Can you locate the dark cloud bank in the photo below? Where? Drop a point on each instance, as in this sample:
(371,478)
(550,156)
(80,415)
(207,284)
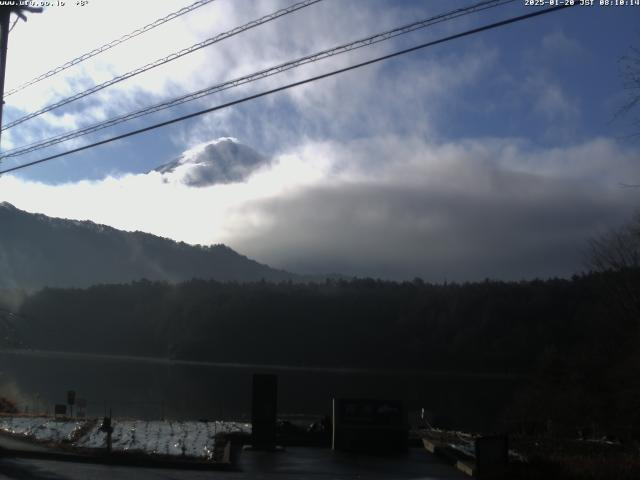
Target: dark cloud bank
(474,221)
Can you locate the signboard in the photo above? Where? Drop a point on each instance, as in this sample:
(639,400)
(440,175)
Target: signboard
(369,425)
(491,456)
(60,409)
(264,408)
(82,407)
(71,397)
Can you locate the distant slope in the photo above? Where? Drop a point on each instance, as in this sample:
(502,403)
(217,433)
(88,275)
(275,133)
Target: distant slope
(38,251)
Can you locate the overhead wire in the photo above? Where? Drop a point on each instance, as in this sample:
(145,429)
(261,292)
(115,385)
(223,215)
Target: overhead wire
(294,84)
(363,42)
(108,46)
(161,61)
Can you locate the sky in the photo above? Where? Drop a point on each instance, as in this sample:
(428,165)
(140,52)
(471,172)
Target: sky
(496,155)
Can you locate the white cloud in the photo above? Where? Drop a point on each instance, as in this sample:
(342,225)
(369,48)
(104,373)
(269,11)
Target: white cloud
(550,99)
(390,194)
(466,211)
(560,46)
(323,25)
(390,206)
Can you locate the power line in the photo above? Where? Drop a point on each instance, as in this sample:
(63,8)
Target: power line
(257,76)
(370,40)
(110,45)
(294,84)
(164,60)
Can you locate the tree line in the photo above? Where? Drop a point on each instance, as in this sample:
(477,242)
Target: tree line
(567,336)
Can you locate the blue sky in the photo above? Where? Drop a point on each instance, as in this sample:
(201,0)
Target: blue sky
(404,151)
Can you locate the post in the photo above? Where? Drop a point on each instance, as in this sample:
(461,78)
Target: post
(264,409)
(71,400)
(107,427)
(5,13)
(109,432)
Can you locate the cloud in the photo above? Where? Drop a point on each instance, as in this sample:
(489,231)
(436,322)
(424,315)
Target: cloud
(462,212)
(388,206)
(309,30)
(157,203)
(558,44)
(550,99)
(402,188)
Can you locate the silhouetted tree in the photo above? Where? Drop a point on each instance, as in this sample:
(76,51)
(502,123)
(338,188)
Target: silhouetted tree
(619,251)
(630,73)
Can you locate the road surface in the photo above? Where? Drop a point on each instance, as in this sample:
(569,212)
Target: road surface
(293,463)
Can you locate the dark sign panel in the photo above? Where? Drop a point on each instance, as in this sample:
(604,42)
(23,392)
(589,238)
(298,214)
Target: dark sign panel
(370,412)
(264,409)
(492,456)
(369,425)
(60,409)
(71,397)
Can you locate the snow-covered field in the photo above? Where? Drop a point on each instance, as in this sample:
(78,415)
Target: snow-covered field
(190,439)
(44,429)
(158,437)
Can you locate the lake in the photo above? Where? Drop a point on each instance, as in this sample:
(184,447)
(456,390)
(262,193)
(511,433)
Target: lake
(150,388)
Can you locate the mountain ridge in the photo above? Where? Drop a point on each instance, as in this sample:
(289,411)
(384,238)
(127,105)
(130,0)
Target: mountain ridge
(37,251)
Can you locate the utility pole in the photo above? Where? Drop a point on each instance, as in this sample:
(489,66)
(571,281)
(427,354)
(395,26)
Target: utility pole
(5,14)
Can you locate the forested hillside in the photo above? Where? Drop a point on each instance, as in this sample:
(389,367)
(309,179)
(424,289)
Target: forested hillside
(567,336)
(37,251)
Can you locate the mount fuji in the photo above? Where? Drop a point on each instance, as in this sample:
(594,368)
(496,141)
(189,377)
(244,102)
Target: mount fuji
(220,161)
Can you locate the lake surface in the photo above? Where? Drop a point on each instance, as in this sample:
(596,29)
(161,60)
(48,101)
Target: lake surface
(150,388)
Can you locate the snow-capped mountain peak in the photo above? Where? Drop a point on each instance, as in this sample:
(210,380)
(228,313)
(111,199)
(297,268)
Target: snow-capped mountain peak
(223,160)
